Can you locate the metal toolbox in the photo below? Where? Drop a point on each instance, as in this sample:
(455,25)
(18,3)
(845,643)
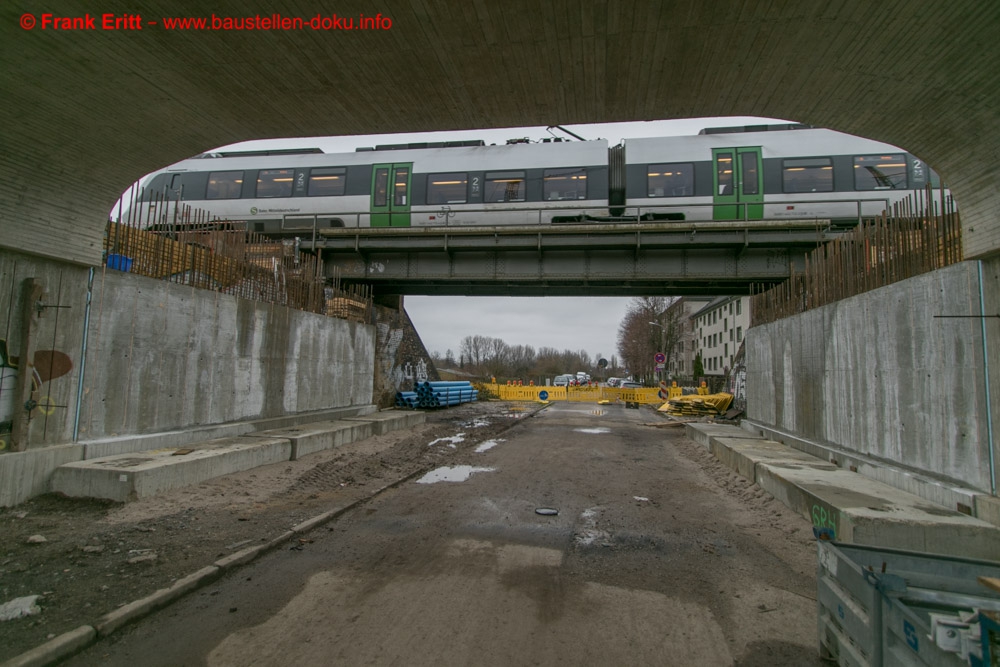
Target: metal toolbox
(892,607)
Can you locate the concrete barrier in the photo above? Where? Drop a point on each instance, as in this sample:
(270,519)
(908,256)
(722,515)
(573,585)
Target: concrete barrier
(316,437)
(132,476)
(703,432)
(847,505)
(391,420)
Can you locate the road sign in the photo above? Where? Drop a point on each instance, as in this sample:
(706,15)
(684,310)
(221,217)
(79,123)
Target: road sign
(543,395)
(659,357)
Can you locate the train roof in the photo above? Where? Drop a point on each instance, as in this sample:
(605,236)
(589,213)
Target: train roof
(774,143)
(431,159)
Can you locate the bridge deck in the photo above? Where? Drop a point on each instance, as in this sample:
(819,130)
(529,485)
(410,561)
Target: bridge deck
(580,259)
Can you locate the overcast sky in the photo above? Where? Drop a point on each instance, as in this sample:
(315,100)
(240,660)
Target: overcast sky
(573,323)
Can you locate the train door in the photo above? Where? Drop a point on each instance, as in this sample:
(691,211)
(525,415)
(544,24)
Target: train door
(739,184)
(390,205)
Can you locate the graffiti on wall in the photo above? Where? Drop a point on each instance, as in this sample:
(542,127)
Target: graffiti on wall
(48,365)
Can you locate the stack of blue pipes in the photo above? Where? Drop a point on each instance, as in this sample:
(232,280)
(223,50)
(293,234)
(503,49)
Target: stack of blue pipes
(437,395)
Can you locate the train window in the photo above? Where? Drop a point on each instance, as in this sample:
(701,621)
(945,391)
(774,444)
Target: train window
(814,174)
(670,180)
(505,186)
(275,182)
(327,182)
(748,170)
(447,188)
(381,187)
(400,183)
(563,184)
(880,172)
(724,171)
(224,185)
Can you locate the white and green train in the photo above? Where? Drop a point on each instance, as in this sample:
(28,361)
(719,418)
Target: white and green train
(744,173)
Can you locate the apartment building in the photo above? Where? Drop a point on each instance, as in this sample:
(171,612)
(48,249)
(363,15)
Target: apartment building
(718,329)
(680,363)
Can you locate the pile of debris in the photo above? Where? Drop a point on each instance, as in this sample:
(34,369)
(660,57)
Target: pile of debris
(711,405)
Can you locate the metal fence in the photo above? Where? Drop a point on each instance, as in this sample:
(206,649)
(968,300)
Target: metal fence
(921,233)
(225,257)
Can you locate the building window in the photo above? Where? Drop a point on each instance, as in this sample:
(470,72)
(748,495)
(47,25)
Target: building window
(327,182)
(813,174)
(670,180)
(504,186)
(738,304)
(447,188)
(224,185)
(563,184)
(880,172)
(739,334)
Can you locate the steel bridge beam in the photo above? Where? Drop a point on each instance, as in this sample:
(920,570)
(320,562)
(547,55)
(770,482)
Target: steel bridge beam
(578,260)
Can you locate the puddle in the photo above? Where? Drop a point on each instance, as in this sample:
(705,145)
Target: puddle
(476,423)
(451,440)
(599,429)
(641,499)
(487,445)
(456,474)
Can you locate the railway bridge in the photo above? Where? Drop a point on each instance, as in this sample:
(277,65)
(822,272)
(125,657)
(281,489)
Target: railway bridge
(572,260)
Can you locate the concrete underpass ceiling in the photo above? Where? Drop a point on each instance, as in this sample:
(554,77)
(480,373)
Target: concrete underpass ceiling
(85,113)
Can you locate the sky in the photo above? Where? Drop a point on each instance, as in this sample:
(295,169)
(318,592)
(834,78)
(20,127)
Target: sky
(564,323)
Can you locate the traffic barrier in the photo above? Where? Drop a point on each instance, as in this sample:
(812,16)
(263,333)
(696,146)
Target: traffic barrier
(646,396)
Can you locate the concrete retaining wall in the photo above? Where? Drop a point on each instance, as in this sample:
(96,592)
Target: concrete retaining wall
(164,357)
(882,375)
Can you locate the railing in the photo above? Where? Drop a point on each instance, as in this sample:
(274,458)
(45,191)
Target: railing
(234,261)
(630,214)
(922,233)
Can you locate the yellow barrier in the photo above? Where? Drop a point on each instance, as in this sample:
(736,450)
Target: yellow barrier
(581,394)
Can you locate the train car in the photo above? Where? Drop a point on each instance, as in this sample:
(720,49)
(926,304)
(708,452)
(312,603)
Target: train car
(745,173)
(469,183)
(768,173)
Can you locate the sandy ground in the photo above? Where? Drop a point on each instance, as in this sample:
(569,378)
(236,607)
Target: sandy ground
(99,555)
(705,519)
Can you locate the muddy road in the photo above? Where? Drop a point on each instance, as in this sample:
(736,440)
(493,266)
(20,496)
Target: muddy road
(656,555)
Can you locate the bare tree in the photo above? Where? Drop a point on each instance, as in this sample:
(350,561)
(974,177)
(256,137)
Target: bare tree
(640,335)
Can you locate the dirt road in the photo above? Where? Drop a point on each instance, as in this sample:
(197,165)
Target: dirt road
(657,555)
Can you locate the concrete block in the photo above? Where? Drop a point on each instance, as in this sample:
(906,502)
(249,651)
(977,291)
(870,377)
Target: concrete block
(24,475)
(391,420)
(702,433)
(864,511)
(57,649)
(318,436)
(132,476)
(987,508)
(129,444)
(743,455)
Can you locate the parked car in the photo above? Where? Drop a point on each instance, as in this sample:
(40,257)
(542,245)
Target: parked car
(628,384)
(563,380)
(613,382)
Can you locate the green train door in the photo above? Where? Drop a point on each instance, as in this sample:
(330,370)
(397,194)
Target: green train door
(739,184)
(390,205)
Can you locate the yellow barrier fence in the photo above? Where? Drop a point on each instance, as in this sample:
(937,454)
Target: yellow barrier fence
(648,396)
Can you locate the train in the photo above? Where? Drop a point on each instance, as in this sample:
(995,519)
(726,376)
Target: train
(744,173)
